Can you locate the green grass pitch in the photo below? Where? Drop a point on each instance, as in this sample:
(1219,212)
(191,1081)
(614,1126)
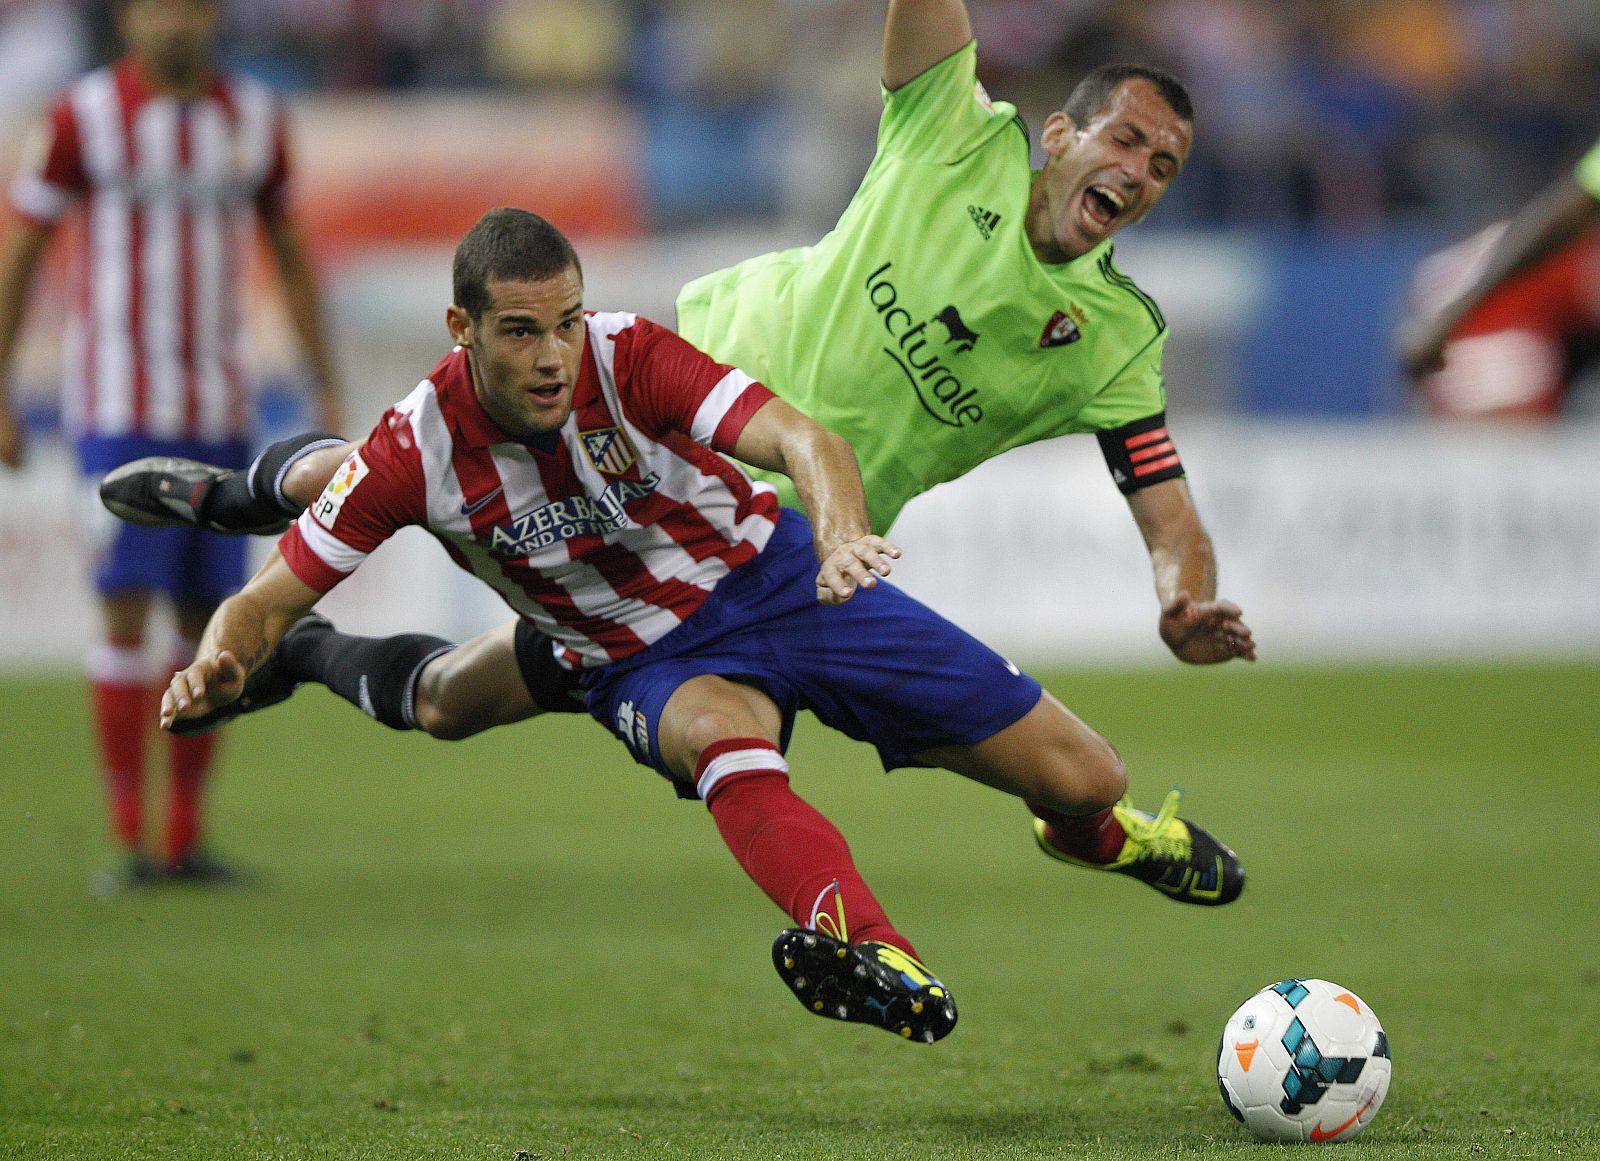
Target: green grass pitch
(522,945)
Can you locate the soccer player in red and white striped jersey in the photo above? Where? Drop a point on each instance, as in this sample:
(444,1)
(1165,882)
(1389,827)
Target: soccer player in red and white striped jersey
(656,517)
(173,165)
(571,461)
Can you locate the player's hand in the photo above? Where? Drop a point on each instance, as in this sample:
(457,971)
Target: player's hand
(1206,632)
(854,564)
(209,683)
(13,441)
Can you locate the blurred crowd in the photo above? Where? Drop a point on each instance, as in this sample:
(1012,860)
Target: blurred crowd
(1344,114)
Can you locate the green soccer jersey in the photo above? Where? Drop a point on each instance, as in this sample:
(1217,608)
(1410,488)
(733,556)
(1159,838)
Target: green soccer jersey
(922,328)
(1588,172)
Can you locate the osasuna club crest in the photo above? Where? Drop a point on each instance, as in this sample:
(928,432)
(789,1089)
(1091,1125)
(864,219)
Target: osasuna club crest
(608,450)
(1060,330)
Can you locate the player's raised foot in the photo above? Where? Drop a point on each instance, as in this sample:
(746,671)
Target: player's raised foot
(132,872)
(267,686)
(163,490)
(1181,860)
(867,983)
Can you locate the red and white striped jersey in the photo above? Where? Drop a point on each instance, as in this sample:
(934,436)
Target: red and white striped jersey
(170,189)
(606,534)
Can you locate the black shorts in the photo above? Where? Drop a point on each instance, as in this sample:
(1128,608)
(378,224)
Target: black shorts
(554,690)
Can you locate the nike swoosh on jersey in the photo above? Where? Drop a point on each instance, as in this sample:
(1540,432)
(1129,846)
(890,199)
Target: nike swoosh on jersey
(469,509)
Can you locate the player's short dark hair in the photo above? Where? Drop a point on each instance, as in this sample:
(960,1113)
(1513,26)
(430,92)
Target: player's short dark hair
(508,244)
(1091,94)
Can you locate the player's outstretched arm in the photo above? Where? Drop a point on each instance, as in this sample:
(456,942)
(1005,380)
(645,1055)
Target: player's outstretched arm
(1546,224)
(1196,626)
(918,34)
(828,479)
(240,635)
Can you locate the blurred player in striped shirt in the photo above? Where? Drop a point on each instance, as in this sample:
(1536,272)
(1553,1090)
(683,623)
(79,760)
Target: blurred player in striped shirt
(173,164)
(1496,321)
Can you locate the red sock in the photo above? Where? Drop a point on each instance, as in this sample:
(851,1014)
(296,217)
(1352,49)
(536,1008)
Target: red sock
(1094,838)
(793,853)
(120,700)
(191,763)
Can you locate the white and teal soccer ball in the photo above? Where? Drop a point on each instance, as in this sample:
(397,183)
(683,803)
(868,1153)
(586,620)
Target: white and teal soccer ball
(1304,1060)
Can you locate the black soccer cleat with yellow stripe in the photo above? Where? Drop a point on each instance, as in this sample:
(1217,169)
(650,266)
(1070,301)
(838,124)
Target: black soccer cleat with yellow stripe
(1183,861)
(865,983)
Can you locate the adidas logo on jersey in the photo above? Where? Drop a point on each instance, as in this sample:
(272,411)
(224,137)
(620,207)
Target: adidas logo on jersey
(985,220)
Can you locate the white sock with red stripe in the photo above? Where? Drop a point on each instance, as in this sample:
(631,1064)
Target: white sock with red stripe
(793,853)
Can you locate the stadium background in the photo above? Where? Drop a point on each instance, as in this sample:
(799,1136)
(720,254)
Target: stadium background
(1338,144)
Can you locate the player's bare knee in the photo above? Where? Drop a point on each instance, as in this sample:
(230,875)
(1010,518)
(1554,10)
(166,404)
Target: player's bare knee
(708,727)
(439,722)
(1108,781)
(438,707)
(1088,779)
(1103,779)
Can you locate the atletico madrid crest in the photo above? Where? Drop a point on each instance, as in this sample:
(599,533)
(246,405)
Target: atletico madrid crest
(608,450)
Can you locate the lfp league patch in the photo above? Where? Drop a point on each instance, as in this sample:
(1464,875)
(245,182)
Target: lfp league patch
(350,473)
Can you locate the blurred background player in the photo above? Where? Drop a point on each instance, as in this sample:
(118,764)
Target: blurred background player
(1500,322)
(173,162)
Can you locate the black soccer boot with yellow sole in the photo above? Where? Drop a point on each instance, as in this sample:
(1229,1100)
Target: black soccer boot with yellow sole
(866,983)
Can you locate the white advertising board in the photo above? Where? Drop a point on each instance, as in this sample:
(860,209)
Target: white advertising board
(1404,541)
(1407,542)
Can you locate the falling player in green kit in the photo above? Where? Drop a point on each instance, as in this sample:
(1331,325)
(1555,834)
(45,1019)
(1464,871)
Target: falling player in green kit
(964,305)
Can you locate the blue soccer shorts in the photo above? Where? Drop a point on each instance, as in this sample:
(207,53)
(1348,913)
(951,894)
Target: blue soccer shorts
(882,667)
(190,565)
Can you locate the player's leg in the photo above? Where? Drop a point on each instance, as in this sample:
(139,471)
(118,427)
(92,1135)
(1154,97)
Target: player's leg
(192,759)
(122,705)
(199,571)
(1049,757)
(413,681)
(926,693)
(506,675)
(128,570)
(262,498)
(723,737)
(1073,781)
(845,960)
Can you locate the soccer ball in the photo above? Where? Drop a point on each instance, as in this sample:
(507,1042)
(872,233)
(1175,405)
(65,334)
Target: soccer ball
(1304,1060)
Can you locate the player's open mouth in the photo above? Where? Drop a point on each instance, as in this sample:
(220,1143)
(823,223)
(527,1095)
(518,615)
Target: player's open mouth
(1101,205)
(546,392)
